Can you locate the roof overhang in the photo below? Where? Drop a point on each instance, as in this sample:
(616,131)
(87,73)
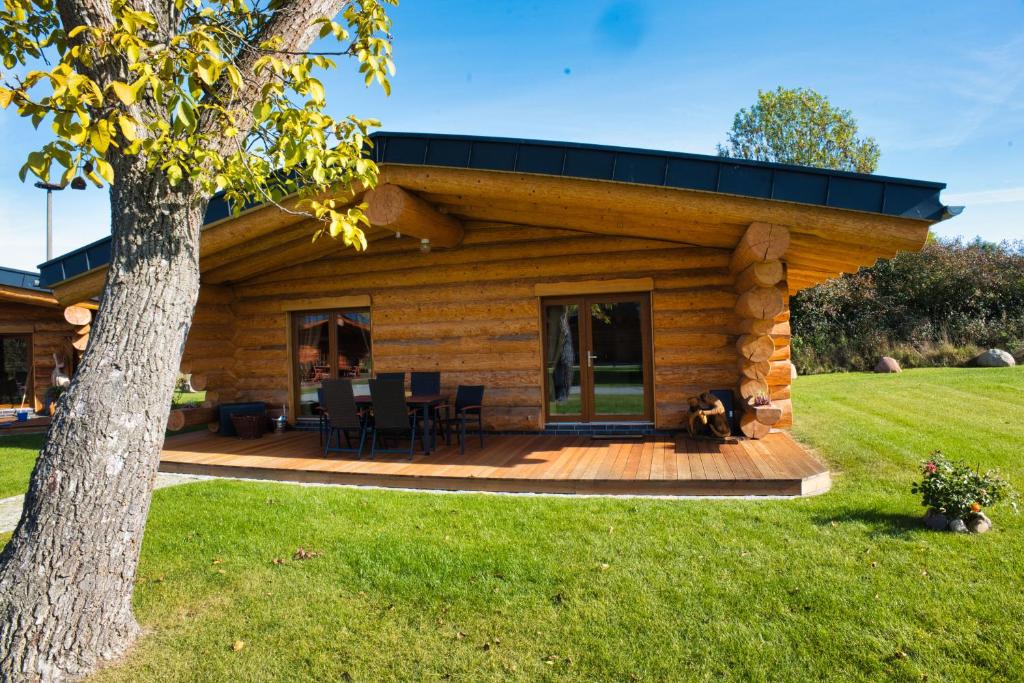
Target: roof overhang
(22,286)
(839,221)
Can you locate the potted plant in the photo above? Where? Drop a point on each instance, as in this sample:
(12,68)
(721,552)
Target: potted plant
(764,411)
(955,495)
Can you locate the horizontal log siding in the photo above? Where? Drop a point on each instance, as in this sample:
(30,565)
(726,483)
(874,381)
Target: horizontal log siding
(211,348)
(50,334)
(471,313)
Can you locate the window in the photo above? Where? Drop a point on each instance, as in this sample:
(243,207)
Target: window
(16,370)
(327,345)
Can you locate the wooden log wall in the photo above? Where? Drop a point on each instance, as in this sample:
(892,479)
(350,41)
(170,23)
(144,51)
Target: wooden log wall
(51,334)
(762,310)
(210,350)
(473,313)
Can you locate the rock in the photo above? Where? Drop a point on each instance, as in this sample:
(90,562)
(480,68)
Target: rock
(888,364)
(978,523)
(958,526)
(936,521)
(792,371)
(995,358)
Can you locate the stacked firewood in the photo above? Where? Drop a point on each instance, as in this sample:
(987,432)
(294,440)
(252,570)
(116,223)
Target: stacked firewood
(760,281)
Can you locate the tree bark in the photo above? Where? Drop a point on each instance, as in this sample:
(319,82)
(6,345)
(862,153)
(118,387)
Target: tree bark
(67,574)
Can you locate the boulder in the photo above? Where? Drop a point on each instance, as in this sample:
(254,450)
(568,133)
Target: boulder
(792,371)
(888,364)
(978,523)
(936,521)
(958,526)
(995,358)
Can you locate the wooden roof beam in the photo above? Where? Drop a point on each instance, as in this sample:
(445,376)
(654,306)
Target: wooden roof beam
(394,208)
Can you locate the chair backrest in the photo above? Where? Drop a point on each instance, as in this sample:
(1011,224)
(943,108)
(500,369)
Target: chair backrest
(425,383)
(338,399)
(392,377)
(469,395)
(728,402)
(389,409)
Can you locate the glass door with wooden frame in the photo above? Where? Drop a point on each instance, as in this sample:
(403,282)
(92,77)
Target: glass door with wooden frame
(328,345)
(597,358)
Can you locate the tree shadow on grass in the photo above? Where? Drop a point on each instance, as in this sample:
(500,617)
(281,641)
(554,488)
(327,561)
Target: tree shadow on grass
(880,523)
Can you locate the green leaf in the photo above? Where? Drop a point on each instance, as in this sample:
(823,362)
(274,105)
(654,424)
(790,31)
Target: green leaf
(186,114)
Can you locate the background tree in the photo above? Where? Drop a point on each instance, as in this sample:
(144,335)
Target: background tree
(800,126)
(167,103)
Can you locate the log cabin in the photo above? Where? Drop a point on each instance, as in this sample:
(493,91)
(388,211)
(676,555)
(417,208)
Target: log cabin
(37,334)
(585,286)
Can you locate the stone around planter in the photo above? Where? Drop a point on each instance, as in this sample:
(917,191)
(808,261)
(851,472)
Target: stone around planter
(978,523)
(958,526)
(936,521)
(888,364)
(995,358)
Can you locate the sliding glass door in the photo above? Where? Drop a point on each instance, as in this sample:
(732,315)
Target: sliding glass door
(597,358)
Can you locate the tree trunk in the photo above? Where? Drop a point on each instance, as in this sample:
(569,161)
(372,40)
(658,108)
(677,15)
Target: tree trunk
(67,574)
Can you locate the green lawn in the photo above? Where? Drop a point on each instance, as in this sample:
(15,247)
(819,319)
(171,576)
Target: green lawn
(17,456)
(845,586)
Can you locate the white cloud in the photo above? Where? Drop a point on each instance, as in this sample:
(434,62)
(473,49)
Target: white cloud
(1004,195)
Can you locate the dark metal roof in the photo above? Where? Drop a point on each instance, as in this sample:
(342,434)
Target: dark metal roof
(22,279)
(759,179)
(763,180)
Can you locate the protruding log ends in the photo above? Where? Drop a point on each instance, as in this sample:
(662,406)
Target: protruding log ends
(751,427)
(396,209)
(755,348)
(760,274)
(78,316)
(80,341)
(198,381)
(760,303)
(758,371)
(180,418)
(760,243)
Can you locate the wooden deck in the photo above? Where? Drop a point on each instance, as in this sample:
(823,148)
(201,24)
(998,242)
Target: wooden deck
(655,465)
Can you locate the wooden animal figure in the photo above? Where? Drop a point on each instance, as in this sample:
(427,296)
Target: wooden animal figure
(707,417)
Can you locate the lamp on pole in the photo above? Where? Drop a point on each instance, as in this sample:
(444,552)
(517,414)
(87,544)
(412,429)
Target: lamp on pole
(50,187)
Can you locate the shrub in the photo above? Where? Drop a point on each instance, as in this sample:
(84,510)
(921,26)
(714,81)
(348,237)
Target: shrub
(954,489)
(940,306)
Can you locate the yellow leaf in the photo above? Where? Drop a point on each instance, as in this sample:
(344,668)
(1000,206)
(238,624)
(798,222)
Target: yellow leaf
(316,91)
(5,97)
(123,92)
(99,137)
(105,170)
(128,129)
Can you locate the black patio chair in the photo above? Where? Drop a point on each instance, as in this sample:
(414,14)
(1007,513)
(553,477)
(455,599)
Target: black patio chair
(391,416)
(469,401)
(425,383)
(429,384)
(341,415)
(392,377)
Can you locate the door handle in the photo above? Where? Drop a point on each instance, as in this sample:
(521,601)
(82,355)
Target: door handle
(591,357)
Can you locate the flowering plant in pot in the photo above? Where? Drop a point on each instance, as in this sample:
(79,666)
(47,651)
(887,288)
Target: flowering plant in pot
(955,494)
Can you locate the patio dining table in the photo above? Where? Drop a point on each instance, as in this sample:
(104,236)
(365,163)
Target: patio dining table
(423,403)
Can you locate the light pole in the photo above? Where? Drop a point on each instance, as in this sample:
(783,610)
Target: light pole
(50,187)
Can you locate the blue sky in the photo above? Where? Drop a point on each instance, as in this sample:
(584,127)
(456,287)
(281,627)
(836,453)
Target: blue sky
(940,85)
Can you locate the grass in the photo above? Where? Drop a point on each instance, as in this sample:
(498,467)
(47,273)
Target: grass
(182,399)
(845,586)
(17,456)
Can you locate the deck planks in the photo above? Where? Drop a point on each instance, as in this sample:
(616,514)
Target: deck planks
(658,464)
